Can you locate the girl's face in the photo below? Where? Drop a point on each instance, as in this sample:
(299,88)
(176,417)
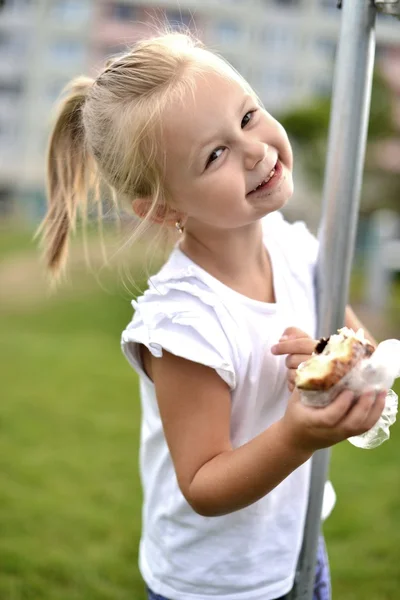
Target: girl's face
(220,147)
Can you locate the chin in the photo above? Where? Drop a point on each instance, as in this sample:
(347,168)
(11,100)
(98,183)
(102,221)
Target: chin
(276,205)
(284,195)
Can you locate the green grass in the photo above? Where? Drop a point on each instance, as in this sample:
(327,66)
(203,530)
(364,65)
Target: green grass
(70,500)
(15,240)
(363,535)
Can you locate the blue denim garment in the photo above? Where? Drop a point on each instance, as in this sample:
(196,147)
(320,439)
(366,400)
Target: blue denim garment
(322,585)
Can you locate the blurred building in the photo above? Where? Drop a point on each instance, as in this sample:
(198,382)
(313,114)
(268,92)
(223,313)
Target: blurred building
(285,48)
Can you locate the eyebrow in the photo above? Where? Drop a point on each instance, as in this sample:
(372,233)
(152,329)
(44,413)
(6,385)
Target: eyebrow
(208,141)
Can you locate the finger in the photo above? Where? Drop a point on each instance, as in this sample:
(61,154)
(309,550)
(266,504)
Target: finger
(291,378)
(297,346)
(336,411)
(357,417)
(293,332)
(294,360)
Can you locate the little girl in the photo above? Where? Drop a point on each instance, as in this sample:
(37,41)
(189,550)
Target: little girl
(217,337)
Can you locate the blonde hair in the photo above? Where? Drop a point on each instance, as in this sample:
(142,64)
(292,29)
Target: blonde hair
(108,130)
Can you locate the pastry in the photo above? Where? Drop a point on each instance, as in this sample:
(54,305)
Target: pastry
(332,360)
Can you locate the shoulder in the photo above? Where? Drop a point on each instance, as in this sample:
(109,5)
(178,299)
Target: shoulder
(180,314)
(179,291)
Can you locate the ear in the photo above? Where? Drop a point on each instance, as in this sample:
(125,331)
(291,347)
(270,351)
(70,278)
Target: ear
(161,214)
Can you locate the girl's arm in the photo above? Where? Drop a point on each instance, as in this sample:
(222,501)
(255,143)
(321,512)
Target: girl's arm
(353,322)
(195,408)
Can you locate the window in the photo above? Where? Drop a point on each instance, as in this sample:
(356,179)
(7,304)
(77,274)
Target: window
(123,12)
(329,4)
(73,11)
(177,19)
(288,2)
(11,88)
(276,81)
(54,88)
(8,132)
(228,31)
(17,4)
(326,47)
(279,39)
(13,45)
(67,52)
(113,51)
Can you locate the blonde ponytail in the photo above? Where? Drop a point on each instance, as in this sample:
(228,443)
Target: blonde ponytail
(70,173)
(108,134)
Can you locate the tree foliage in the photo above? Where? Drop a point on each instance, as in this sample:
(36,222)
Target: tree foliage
(308,127)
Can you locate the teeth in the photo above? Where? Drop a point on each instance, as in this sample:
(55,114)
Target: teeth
(270,176)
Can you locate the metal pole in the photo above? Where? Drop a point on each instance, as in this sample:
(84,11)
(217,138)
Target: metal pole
(343,179)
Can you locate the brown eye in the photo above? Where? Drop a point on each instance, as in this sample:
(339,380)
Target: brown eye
(214,155)
(247,118)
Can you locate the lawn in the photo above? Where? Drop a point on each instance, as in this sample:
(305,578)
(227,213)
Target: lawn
(70,498)
(69,491)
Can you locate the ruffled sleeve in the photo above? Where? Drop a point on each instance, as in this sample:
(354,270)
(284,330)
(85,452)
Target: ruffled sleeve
(182,318)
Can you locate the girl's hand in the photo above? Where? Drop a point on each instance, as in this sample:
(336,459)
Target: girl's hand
(298,346)
(309,429)
(314,428)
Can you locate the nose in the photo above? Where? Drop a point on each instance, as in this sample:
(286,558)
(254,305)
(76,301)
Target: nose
(254,153)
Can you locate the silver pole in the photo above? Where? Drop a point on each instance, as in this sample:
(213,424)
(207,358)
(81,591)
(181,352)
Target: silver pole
(343,179)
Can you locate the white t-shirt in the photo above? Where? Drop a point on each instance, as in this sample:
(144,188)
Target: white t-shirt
(252,553)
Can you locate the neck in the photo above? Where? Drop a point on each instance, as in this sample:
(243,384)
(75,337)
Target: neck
(237,258)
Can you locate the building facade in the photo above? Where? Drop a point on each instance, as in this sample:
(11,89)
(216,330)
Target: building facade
(285,48)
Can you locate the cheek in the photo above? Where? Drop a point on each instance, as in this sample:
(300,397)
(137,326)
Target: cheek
(289,183)
(278,137)
(285,146)
(179,189)
(224,180)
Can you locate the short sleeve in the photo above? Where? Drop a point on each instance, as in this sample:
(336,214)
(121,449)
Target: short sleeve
(180,318)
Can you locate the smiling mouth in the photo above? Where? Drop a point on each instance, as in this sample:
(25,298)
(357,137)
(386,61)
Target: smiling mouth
(268,181)
(270,176)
